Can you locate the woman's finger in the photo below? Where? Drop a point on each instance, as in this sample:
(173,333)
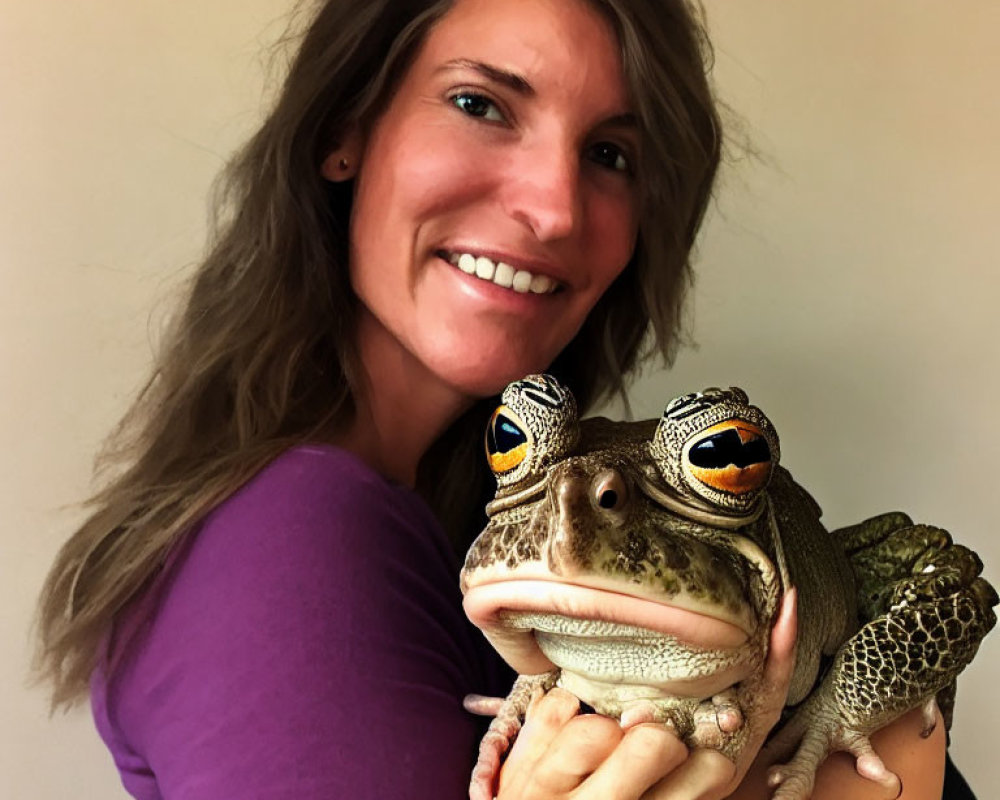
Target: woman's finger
(546,716)
(583,745)
(705,775)
(646,753)
(777,675)
(780,662)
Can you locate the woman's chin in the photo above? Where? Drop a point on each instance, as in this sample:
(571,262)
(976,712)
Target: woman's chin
(488,377)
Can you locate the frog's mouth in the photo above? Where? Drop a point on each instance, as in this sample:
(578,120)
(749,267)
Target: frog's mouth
(510,612)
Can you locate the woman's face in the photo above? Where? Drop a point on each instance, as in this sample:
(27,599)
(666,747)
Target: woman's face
(495,199)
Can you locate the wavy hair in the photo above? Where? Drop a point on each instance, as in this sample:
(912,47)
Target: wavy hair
(261,354)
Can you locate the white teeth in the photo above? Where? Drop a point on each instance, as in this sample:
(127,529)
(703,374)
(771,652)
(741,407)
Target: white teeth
(540,284)
(502,274)
(467,263)
(522,281)
(485,268)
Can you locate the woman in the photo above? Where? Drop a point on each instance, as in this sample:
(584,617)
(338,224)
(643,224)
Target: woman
(446,197)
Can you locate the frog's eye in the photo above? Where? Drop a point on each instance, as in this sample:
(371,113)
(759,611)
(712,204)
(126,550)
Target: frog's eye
(732,457)
(535,427)
(714,446)
(507,440)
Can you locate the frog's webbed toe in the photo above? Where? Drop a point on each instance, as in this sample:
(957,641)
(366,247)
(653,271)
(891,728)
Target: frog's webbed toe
(719,724)
(727,711)
(502,732)
(483,705)
(494,744)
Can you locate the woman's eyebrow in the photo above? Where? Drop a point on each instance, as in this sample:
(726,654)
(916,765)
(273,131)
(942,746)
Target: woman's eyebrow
(503,76)
(625,120)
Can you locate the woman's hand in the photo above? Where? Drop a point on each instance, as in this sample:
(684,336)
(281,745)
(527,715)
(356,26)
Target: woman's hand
(560,753)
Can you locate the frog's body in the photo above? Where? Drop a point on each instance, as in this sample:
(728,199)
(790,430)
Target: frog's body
(641,565)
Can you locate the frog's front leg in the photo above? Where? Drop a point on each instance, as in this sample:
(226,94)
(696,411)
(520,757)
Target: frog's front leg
(503,730)
(927,610)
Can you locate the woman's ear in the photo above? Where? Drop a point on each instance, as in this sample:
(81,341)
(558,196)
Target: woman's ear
(341,163)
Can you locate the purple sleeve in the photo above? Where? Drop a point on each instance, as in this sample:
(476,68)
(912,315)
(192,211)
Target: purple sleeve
(308,643)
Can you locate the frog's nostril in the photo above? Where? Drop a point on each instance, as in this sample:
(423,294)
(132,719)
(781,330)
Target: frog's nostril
(610,492)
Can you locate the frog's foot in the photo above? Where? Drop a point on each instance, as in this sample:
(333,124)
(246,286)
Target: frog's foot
(503,730)
(716,722)
(492,748)
(483,705)
(794,780)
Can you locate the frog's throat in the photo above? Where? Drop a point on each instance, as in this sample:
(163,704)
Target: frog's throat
(490,606)
(613,697)
(665,496)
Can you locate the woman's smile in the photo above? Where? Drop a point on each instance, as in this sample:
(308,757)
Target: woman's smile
(505,272)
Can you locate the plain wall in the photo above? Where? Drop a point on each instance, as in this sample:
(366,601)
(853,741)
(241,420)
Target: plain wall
(847,274)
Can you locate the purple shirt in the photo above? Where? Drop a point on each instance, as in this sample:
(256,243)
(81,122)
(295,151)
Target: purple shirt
(307,641)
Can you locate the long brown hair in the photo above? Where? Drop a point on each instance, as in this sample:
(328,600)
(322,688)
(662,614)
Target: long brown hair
(261,355)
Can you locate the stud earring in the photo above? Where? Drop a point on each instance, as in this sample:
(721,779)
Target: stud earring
(338,168)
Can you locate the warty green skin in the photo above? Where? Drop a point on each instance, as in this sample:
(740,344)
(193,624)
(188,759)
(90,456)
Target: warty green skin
(889,612)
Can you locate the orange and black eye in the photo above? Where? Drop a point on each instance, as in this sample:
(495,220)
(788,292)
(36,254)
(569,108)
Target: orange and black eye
(507,440)
(732,457)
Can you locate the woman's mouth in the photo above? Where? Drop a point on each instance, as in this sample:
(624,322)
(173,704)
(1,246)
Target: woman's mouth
(500,273)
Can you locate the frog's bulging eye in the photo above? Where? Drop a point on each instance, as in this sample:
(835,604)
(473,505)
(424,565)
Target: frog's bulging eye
(507,440)
(732,457)
(713,446)
(535,426)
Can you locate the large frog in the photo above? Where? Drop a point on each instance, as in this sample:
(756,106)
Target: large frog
(641,565)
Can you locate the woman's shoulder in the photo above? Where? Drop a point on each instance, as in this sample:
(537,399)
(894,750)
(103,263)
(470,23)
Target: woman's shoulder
(314,544)
(315,528)
(313,494)
(316,475)
(315,510)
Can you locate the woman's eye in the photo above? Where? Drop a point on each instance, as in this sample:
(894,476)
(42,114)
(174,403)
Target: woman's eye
(476,105)
(610,156)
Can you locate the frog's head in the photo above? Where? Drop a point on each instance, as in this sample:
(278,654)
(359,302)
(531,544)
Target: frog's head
(630,527)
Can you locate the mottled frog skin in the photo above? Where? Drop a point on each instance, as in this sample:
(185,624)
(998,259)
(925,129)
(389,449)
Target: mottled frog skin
(641,565)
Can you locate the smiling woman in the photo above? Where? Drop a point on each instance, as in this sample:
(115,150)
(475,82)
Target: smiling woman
(259,573)
(445,196)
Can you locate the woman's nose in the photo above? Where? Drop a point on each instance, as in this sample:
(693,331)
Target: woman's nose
(543,191)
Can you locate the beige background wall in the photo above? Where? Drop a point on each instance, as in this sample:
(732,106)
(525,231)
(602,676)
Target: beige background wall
(848,277)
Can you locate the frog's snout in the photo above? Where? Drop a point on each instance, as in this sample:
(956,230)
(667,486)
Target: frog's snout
(589,508)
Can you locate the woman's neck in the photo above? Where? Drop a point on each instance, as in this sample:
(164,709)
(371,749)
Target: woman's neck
(401,409)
